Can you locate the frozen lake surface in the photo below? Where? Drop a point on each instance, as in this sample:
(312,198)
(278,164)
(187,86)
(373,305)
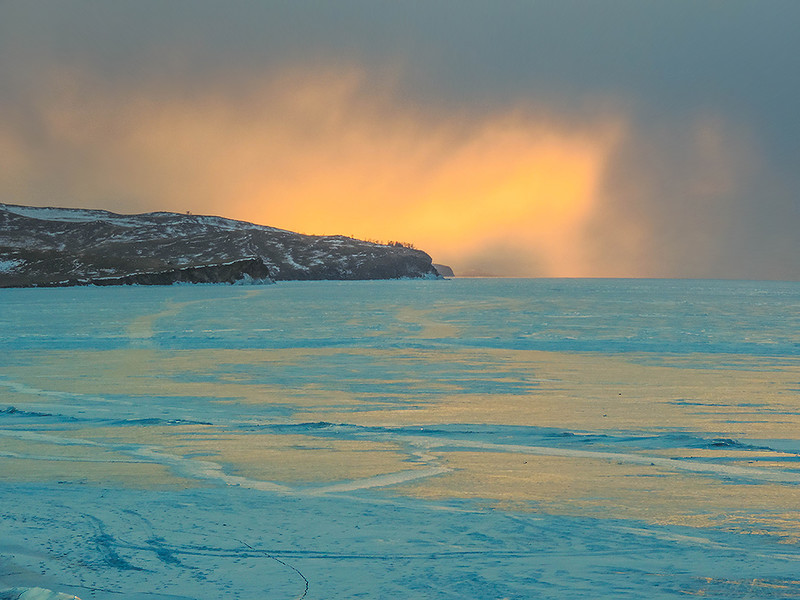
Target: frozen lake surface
(469,438)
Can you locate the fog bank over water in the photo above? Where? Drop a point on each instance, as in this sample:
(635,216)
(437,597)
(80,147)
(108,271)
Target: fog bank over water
(537,139)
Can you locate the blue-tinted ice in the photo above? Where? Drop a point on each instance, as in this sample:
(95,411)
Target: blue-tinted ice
(402,439)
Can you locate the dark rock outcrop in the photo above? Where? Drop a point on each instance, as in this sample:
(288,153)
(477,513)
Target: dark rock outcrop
(56,246)
(444,270)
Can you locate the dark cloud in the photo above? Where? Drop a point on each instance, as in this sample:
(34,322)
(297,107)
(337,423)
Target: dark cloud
(668,54)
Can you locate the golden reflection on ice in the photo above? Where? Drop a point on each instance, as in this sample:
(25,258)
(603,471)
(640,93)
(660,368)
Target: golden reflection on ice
(608,489)
(591,392)
(264,457)
(717,396)
(25,460)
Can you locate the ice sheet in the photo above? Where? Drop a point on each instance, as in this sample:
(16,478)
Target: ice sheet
(443,439)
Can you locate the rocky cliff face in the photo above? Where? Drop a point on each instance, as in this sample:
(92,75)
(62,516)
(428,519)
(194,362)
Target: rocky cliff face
(56,246)
(247,271)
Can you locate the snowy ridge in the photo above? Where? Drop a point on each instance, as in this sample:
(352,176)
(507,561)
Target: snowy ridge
(70,215)
(84,215)
(47,246)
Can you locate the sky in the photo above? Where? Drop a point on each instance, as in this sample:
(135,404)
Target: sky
(541,138)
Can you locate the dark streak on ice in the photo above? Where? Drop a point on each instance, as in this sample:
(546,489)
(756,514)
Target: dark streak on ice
(106,545)
(521,435)
(13,410)
(157,421)
(305,591)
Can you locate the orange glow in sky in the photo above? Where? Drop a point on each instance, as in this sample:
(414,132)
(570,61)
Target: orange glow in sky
(322,152)
(510,188)
(509,184)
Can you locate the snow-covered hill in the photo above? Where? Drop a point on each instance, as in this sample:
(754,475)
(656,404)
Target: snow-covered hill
(61,246)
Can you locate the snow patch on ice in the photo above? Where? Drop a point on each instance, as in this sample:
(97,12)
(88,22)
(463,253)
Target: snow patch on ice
(22,388)
(382,480)
(717,469)
(33,593)
(205,469)
(670,536)
(32,436)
